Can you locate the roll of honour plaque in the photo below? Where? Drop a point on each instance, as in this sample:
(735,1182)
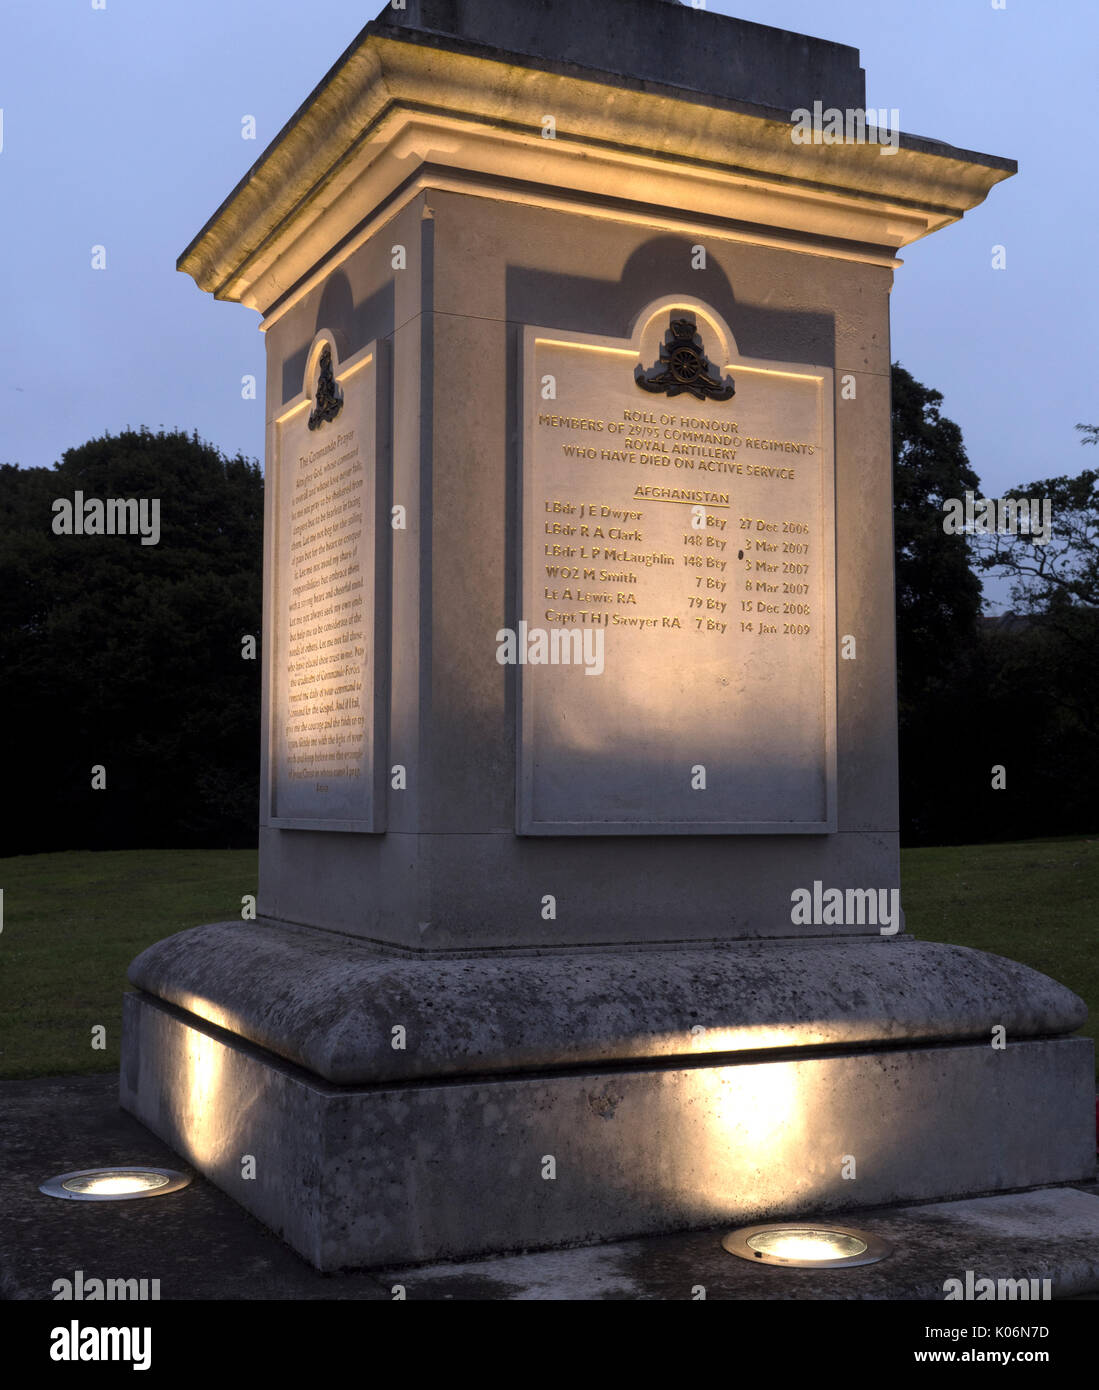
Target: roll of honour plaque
(676,637)
(324,666)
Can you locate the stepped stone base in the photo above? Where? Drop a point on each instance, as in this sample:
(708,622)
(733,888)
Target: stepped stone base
(618,1128)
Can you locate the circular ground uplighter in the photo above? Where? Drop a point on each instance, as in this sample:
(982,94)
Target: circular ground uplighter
(114,1184)
(806,1245)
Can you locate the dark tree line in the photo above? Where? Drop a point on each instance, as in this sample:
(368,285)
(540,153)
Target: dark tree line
(131,657)
(1019,693)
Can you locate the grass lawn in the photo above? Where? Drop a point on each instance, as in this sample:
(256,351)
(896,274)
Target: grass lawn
(73,922)
(1036,901)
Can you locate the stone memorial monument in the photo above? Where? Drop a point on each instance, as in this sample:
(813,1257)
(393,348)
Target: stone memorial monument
(579,886)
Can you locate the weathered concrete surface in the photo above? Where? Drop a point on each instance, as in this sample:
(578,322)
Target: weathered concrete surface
(330,1003)
(1050,1234)
(202,1246)
(439,1170)
(652,39)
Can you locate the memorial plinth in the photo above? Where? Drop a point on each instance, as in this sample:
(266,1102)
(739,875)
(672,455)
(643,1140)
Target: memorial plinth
(579,667)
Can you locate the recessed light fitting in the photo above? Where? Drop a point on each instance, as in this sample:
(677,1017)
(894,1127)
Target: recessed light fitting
(114,1184)
(806,1245)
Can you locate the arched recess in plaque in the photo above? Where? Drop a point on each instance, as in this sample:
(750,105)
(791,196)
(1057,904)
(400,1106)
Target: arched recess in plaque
(326,647)
(676,641)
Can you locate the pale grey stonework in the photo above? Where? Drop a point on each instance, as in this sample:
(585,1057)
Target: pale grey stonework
(436,1170)
(330,1005)
(524,994)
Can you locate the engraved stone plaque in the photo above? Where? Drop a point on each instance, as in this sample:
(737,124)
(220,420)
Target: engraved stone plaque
(324,659)
(676,634)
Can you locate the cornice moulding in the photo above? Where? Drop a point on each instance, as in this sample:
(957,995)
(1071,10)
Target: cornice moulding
(394,114)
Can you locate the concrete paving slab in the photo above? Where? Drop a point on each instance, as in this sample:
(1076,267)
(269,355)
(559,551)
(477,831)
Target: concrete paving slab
(1050,1234)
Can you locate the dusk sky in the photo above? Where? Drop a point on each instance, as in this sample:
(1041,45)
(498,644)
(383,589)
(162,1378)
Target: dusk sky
(122,128)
